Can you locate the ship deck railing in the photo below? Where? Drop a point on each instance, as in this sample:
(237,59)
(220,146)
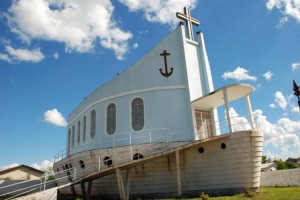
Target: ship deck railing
(166,135)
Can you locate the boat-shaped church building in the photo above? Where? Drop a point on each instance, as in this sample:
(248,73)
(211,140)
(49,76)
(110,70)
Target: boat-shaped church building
(154,130)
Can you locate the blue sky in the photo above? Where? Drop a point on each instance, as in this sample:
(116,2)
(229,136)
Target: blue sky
(53,53)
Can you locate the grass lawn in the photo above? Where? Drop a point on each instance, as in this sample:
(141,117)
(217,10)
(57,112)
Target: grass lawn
(267,193)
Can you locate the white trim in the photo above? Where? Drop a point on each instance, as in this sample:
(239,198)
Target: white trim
(193,42)
(128,93)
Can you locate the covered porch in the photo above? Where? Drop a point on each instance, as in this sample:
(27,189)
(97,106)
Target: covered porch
(206,105)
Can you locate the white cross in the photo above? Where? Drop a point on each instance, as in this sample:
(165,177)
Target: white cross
(189,21)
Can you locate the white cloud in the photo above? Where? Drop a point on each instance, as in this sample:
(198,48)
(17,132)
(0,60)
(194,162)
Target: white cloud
(282,21)
(135,45)
(160,11)
(34,55)
(285,102)
(56,55)
(46,165)
(281,139)
(295,66)
(288,8)
(295,109)
(78,24)
(239,74)
(268,75)
(5,57)
(54,117)
(272,105)
(238,123)
(280,100)
(8,166)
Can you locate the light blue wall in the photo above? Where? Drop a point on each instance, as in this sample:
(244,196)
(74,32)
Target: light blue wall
(166,100)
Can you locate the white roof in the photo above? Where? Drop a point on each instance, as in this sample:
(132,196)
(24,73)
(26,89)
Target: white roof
(267,165)
(216,98)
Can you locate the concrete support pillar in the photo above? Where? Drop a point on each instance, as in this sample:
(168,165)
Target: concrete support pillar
(128,177)
(249,107)
(178,173)
(86,194)
(225,94)
(120,184)
(83,191)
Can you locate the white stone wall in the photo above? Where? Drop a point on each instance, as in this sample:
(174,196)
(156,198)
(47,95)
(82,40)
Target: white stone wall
(281,178)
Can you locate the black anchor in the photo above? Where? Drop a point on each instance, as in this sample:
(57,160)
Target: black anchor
(166,73)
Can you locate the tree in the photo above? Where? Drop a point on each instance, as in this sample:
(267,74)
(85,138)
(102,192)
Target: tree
(50,173)
(264,159)
(280,165)
(290,165)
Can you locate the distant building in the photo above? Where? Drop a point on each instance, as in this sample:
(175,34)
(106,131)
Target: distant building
(294,160)
(267,167)
(21,172)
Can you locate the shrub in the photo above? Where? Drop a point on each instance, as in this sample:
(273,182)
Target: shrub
(204,196)
(248,193)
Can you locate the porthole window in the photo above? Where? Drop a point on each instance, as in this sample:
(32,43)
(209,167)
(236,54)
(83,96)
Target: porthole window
(107,161)
(84,129)
(93,124)
(137,114)
(137,156)
(70,166)
(66,166)
(223,146)
(73,136)
(111,119)
(78,133)
(201,150)
(57,170)
(81,164)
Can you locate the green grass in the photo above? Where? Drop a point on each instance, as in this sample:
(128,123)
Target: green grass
(267,193)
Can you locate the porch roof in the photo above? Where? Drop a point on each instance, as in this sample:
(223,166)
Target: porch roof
(216,98)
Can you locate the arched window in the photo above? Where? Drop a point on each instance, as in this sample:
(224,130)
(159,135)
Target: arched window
(93,124)
(84,129)
(78,133)
(69,139)
(73,136)
(111,119)
(137,114)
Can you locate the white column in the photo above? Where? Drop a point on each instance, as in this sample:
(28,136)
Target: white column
(225,94)
(249,107)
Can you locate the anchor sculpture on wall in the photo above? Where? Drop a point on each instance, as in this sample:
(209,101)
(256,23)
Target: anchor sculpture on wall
(166,73)
(296,91)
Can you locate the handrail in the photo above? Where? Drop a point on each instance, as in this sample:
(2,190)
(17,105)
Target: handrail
(146,136)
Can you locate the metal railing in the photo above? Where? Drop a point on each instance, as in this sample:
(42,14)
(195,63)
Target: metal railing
(239,123)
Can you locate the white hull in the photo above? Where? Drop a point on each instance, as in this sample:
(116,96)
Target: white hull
(216,169)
